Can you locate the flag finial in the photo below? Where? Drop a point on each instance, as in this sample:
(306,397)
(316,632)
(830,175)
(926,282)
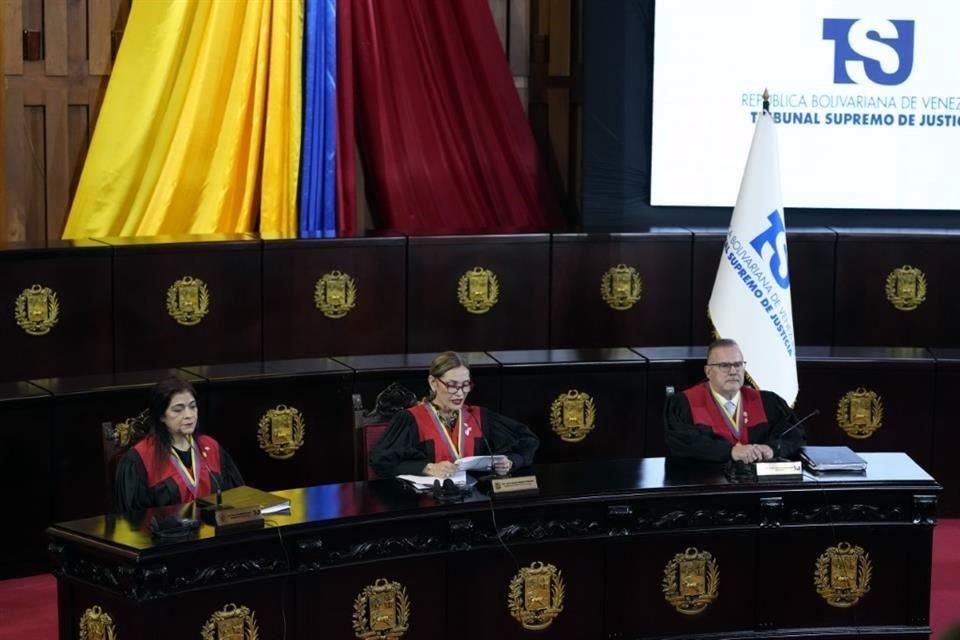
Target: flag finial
(766,101)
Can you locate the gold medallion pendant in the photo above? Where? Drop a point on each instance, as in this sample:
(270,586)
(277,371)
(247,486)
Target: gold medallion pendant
(478,290)
(536,596)
(572,415)
(381,611)
(620,287)
(188,300)
(335,294)
(860,413)
(842,575)
(906,288)
(691,581)
(36,310)
(231,623)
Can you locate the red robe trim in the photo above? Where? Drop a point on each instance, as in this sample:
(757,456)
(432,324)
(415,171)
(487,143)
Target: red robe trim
(704,410)
(208,459)
(428,429)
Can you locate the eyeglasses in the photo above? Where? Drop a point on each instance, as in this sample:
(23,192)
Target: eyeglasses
(728,366)
(453,387)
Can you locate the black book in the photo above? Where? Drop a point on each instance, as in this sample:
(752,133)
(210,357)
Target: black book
(243,497)
(832,459)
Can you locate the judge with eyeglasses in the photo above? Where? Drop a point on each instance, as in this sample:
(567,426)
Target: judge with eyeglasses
(429,438)
(721,419)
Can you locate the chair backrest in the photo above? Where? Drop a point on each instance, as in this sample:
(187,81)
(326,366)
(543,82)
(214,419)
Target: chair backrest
(369,427)
(116,439)
(371,433)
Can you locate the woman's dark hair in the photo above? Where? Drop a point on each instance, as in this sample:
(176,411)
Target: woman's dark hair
(160,396)
(446,361)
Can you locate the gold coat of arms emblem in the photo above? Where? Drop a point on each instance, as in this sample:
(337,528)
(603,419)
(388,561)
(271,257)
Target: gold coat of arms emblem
(842,575)
(123,433)
(231,623)
(906,288)
(691,581)
(280,432)
(36,310)
(478,290)
(572,415)
(860,413)
(536,596)
(95,624)
(621,287)
(381,611)
(335,294)
(188,300)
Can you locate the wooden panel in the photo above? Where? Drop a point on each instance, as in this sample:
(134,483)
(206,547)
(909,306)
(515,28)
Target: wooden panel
(558,103)
(55,37)
(16,169)
(58,162)
(946,436)
(100,16)
(579,316)
(78,131)
(77,37)
(560,38)
(35,184)
(12,37)
(519,42)
(669,370)
(866,260)
(293,325)
(147,336)
(436,319)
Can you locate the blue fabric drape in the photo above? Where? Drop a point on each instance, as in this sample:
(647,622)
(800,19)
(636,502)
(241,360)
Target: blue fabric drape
(318,213)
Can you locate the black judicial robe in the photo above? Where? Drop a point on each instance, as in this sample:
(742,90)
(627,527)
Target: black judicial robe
(133,491)
(402,451)
(706,438)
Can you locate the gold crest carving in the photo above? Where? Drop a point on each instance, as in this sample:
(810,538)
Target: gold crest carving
(536,596)
(36,310)
(124,432)
(381,611)
(906,288)
(188,300)
(860,413)
(335,294)
(621,287)
(280,432)
(572,415)
(691,581)
(842,575)
(478,290)
(95,624)
(231,623)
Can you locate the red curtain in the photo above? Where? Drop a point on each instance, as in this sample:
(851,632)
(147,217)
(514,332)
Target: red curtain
(444,139)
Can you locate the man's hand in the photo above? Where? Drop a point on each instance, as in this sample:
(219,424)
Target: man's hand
(502,465)
(766,452)
(443,469)
(745,453)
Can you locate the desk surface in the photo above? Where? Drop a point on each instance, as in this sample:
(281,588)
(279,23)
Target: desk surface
(583,482)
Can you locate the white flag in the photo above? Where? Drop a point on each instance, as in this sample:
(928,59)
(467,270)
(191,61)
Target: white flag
(750,302)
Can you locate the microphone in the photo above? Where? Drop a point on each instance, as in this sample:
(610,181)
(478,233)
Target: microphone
(796,424)
(214,480)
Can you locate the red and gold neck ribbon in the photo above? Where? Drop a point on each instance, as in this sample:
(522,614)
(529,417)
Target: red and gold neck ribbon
(190,476)
(455,449)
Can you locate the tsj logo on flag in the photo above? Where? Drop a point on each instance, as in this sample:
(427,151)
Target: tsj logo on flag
(751,302)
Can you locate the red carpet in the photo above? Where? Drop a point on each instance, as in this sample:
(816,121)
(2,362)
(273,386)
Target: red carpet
(28,606)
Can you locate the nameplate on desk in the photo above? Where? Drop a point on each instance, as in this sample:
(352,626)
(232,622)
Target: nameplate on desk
(514,486)
(238,517)
(780,469)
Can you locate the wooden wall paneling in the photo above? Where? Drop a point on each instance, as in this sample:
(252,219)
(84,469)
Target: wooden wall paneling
(669,370)
(437,321)
(866,258)
(58,176)
(579,316)
(294,326)
(16,166)
(78,141)
(36,165)
(25,469)
(903,381)
(100,18)
(55,37)
(536,382)
(12,41)
(80,342)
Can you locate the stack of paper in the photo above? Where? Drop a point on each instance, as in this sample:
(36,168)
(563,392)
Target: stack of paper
(425,483)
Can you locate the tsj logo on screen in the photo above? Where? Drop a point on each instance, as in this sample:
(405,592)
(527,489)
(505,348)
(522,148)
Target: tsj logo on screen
(870,51)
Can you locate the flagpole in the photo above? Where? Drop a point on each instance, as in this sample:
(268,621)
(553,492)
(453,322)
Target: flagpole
(766,102)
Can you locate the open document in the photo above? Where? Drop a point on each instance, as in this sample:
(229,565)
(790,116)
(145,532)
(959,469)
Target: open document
(478,463)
